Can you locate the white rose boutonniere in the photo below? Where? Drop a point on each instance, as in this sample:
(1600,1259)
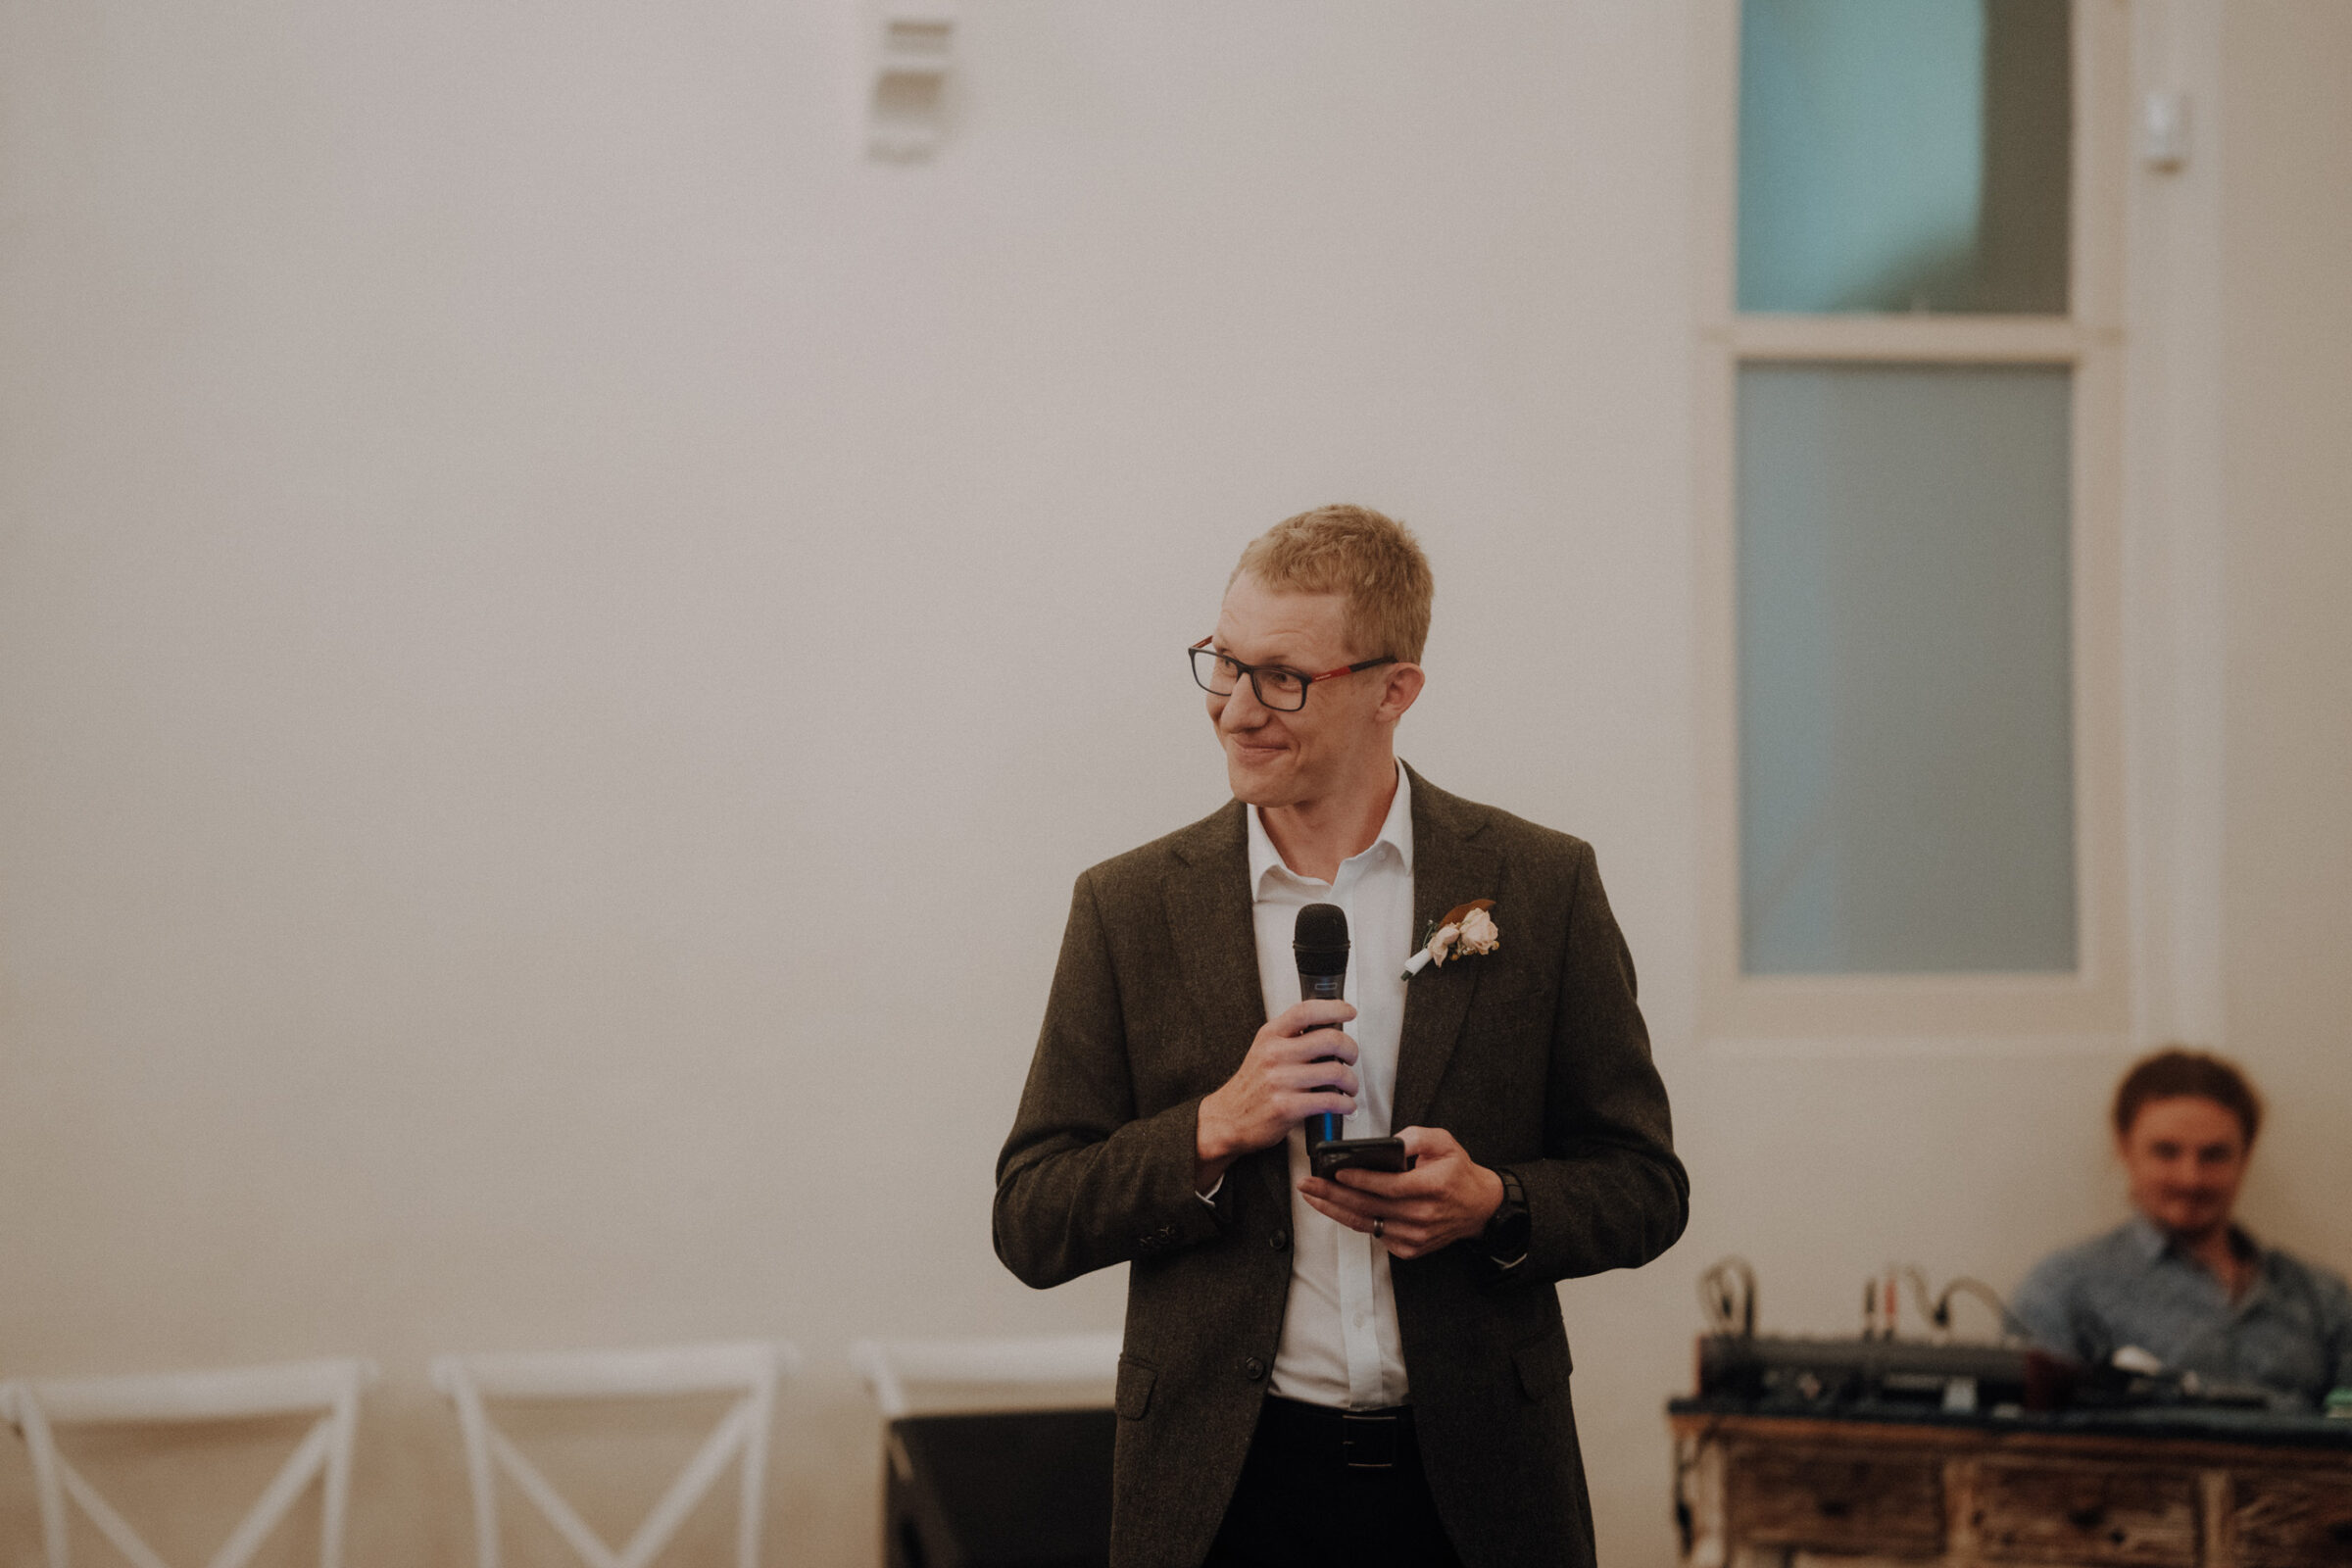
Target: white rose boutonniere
(1480,933)
(1464,933)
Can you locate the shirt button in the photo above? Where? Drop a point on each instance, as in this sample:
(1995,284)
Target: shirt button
(1254,1369)
(1278,1239)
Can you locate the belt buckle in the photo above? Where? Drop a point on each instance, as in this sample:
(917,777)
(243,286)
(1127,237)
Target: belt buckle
(1368,1441)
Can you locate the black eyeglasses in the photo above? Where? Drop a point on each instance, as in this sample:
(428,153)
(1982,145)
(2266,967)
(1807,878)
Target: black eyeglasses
(1282,689)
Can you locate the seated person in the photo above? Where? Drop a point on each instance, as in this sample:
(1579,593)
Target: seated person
(2179,1280)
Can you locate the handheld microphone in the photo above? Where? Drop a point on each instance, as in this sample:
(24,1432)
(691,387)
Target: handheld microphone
(1320,942)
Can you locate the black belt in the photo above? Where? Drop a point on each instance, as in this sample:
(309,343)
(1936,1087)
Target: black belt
(1360,1440)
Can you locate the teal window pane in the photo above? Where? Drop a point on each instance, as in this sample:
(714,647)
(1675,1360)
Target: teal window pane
(1904,155)
(1906,758)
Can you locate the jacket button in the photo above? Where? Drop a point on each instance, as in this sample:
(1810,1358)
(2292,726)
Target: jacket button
(1254,1369)
(1278,1240)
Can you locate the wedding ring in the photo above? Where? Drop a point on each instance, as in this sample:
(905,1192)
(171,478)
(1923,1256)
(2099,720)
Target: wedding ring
(1380,1227)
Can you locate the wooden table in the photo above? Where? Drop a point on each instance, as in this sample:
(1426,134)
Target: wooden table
(1779,1491)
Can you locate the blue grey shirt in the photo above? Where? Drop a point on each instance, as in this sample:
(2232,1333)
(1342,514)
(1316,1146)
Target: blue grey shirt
(2291,1331)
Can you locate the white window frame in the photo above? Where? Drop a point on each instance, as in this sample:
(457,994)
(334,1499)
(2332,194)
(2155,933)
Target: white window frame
(2098,1004)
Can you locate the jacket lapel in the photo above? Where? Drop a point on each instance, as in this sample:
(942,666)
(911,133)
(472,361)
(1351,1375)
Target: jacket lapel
(1450,870)
(1209,908)
(1212,931)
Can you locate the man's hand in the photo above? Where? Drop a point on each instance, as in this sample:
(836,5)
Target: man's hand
(1444,1197)
(1278,1086)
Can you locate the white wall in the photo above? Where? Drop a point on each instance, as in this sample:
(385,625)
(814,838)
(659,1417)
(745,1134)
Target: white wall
(2287,388)
(562,636)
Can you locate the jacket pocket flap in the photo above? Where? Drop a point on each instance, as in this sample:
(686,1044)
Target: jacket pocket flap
(1134,1395)
(1544,1364)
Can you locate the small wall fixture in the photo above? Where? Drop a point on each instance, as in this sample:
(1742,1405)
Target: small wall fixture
(916,45)
(2164,131)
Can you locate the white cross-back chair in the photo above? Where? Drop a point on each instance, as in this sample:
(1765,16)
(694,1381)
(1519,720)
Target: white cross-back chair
(1035,1362)
(330,1387)
(749,1370)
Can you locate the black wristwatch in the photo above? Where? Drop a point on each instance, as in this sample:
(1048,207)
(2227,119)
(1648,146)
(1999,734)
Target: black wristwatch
(1504,1240)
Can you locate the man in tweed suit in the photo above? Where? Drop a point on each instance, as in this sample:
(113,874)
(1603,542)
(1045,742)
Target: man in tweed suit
(1371,1369)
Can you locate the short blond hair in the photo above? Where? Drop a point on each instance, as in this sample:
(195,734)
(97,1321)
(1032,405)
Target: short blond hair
(1372,561)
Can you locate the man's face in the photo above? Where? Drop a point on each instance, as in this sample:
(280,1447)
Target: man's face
(2186,1156)
(1274,759)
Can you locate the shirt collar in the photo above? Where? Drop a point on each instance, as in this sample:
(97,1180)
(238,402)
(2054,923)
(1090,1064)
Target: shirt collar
(2152,1241)
(1396,830)
(2148,1239)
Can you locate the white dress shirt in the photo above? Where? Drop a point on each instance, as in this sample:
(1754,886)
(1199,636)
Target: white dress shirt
(1340,1344)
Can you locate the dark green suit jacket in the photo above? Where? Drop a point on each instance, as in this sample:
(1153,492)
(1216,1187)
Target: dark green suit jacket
(1533,1057)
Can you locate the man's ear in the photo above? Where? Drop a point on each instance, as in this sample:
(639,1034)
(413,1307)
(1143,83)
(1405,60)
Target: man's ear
(1398,691)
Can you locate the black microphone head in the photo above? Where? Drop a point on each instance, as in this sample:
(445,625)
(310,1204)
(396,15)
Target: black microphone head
(1320,939)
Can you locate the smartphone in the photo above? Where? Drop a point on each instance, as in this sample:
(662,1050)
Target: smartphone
(1357,1153)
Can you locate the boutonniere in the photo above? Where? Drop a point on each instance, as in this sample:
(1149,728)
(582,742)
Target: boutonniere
(1464,933)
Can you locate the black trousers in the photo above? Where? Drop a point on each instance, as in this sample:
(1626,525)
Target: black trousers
(1332,1488)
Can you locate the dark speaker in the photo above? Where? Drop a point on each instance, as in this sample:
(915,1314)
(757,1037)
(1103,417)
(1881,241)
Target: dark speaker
(1025,1489)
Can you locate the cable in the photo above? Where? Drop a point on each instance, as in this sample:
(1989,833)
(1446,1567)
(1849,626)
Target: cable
(1935,1307)
(1931,1312)
(2012,1326)
(1727,1295)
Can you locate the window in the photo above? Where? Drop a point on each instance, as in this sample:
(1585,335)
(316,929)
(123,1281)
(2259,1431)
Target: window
(1904,155)
(1910,450)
